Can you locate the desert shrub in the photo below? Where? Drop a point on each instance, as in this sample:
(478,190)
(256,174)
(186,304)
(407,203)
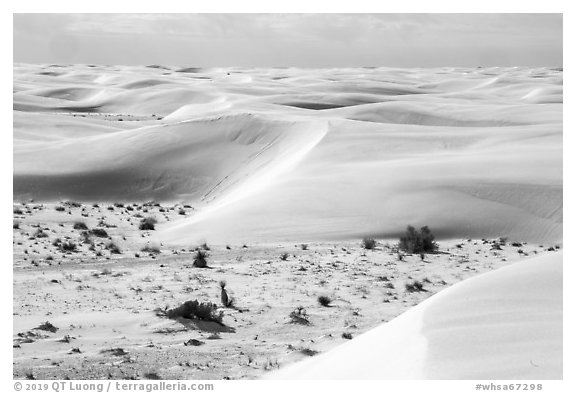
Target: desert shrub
(347,336)
(415,242)
(150,249)
(200,259)
(56,242)
(205,246)
(304,246)
(67,246)
(117,204)
(80,225)
(324,301)
(516,244)
(129,208)
(113,248)
(99,232)
(284,256)
(59,208)
(16,225)
(193,309)
(48,327)
(73,204)
(182,212)
(414,286)
(147,224)
(40,233)
(368,243)
(299,316)
(17,210)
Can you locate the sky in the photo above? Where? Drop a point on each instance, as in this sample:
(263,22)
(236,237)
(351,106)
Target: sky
(290,40)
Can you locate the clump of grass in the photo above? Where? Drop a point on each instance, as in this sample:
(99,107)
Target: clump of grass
(324,301)
(416,242)
(147,224)
(99,232)
(150,249)
(113,248)
(193,309)
(299,316)
(368,243)
(68,246)
(414,286)
(40,233)
(80,226)
(48,327)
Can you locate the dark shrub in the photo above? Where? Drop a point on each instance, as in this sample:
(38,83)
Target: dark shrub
(147,224)
(324,301)
(200,259)
(80,225)
(15,225)
(151,249)
(40,233)
(299,316)
(113,248)
(368,243)
(17,210)
(415,242)
(59,208)
(193,309)
(67,246)
(98,232)
(304,246)
(415,286)
(284,256)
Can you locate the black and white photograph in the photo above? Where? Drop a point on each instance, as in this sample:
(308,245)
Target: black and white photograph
(287,196)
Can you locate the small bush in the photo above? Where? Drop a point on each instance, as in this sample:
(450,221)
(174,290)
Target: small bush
(17,210)
(415,286)
(284,256)
(368,243)
(80,225)
(415,242)
(16,225)
(347,336)
(299,316)
(200,259)
(67,246)
(150,249)
(193,309)
(324,301)
(99,232)
(59,208)
(113,248)
(147,224)
(304,246)
(40,233)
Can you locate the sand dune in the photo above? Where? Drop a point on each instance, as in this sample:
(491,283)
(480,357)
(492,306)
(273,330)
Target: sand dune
(506,324)
(288,154)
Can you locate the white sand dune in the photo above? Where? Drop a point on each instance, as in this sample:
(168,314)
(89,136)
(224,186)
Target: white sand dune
(505,324)
(289,154)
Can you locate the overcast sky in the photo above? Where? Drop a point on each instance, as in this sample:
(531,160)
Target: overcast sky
(296,40)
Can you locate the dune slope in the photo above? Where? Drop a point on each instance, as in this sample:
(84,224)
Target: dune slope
(505,324)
